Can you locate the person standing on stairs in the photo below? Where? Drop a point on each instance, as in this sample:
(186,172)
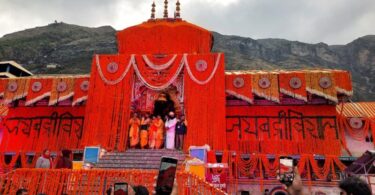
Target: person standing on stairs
(145,124)
(134,130)
(159,123)
(152,133)
(170,126)
(181,128)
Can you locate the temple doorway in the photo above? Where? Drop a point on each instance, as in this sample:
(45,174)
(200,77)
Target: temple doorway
(152,107)
(158,102)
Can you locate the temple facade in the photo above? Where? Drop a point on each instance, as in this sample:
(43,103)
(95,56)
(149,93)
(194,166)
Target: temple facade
(249,118)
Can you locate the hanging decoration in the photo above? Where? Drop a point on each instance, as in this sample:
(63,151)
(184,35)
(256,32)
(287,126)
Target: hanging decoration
(343,82)
(325,82)
(320,83)
(266,85)
(207,106)
(16,89)
(157,79)
(111,77)
(238,85)
(39,89)
(160,60)
(112,67)
(201,65)
(108,109)
(191,60)
(62,89)
(293,84)
(81,88)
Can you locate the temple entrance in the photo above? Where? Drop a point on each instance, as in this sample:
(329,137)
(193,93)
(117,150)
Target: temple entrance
(149,110)
(158,102)
(163,105)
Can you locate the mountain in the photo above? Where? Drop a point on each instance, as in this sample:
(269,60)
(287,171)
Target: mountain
(71,47)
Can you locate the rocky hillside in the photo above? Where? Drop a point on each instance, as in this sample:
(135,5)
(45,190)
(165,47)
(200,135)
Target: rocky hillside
(71,47)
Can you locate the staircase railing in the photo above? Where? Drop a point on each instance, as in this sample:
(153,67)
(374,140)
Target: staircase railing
(94,181)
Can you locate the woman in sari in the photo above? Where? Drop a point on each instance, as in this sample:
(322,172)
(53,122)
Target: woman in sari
(134,130)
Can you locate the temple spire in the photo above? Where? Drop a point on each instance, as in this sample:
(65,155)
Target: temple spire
(153,10)
(166,9)
(178,9)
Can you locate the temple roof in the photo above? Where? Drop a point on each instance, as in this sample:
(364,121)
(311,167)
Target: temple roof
(164,36)
(357,109)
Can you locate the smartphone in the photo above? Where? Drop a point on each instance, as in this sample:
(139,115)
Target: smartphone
(286,170)
(167,173)
(121,188)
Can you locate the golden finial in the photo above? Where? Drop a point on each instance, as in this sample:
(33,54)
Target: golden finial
(178,9)
(153,10)
(166,9)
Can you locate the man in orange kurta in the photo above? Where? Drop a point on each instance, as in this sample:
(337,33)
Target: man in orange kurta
(159,133)
(134,130)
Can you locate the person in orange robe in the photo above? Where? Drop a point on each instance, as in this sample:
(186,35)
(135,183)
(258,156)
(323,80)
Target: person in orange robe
(134,130)
(152,133)
(159,133)
(145,123)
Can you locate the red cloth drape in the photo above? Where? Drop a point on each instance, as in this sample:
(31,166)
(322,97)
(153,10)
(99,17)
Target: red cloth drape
(293,84)
(39,88)
(108,108)
(164,37)
(81,86)
(205,103)
(283,129)
(239,85)
(38,128)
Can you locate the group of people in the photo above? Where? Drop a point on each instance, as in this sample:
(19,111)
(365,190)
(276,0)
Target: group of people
(62,161)
(155,132)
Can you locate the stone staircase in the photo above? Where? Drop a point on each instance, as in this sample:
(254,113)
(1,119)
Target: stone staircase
(137,159)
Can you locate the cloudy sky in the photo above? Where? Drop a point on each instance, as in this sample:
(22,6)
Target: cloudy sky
(312,21)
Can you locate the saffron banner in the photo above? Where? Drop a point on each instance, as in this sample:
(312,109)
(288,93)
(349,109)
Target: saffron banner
(38,128)
(283,129)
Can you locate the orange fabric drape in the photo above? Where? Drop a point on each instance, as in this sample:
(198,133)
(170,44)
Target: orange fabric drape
(81,85)
(108,109)
(205,102)
(308,164)
(313,84)
(86,182)
(258,165)
(36,92)
(343,82)
(283,129)
(239,85)
(164,37)
(64,93)
(3,84)
(288,80)
(21,86)
(272,91)
(154,77)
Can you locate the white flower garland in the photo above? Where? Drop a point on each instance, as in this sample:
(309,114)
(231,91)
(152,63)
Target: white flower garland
(194,78)
(158,88)
(161,66)
(184,62)
(110,82)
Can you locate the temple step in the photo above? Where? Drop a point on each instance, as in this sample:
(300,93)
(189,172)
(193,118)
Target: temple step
(137,159)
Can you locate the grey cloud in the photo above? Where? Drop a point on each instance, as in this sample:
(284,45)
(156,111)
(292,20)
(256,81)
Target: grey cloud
(333,21)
